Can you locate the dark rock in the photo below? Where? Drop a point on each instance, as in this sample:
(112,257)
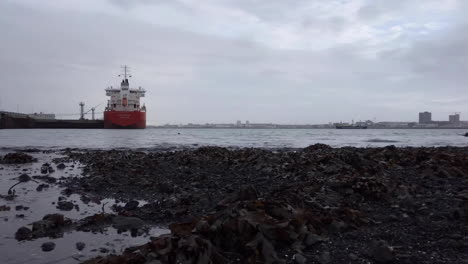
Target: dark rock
(23,233)
(56,219)
(24,178)
(51,225)
(17,158)
(312,239)
(247,193)
(41,187)
(61,166)
(244,194)
(19,207)
(316,147)
(80,246)
(411,196)
(381,252)
(65,205)
(46,178)
(31,150)
(353,257)
(132,205)
(300,259)
(4,208)
(127,223)
(466,134)
(48,246)
(324,258)
(165,187)
(44,169)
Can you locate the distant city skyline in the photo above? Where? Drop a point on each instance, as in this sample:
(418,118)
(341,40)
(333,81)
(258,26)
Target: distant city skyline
(425,121)
(217,61)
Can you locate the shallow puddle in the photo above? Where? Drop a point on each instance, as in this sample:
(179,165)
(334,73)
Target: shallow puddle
(40,203)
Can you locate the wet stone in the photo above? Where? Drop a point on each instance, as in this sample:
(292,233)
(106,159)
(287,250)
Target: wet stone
(24,178)
(127,223)
(132,205)
(65,205)
(44,169)
(353,257)
(80,246)
(312,239)
(48,246)
(17,158)
(45,178)
(23,233)
(324,258)
(342,195)
(4,208)
(381,252)
(299,259)
(41,187)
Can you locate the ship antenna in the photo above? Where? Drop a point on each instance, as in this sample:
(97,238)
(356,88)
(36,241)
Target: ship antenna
(126,72)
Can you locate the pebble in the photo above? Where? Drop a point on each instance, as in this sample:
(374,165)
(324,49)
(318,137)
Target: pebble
(80,246)
(23,233)
(65,206)
(381,252)
(300,259)
(48,246)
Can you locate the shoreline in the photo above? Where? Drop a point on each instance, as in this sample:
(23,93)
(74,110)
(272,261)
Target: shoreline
(313,205)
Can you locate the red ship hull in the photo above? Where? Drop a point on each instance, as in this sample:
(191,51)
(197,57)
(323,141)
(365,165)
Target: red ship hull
(125,119)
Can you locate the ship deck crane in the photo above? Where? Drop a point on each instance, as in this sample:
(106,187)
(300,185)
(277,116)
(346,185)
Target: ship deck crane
(92,110)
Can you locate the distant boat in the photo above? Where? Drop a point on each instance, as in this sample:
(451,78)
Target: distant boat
(339,126)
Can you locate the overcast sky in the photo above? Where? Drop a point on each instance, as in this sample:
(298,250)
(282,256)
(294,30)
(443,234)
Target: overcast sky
(283,61)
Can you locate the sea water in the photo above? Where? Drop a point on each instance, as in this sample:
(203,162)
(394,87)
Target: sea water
(164,139)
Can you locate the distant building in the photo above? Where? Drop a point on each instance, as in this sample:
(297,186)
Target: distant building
(392,124)
(425,118)
(454,119)
(239,123)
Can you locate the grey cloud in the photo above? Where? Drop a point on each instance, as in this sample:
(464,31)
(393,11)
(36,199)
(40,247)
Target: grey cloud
(334,24)
(52,60)
(133,3)
(375,9)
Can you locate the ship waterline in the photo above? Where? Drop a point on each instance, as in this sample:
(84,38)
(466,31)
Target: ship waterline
(125,120)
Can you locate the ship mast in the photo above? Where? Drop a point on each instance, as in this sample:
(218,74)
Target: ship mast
(126,72)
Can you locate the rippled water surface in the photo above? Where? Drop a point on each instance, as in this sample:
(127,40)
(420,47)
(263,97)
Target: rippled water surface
(263,138)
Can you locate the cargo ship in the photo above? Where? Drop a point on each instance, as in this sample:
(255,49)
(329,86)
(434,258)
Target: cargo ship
(359,125)
(123,109)
(350,127)
(20,120)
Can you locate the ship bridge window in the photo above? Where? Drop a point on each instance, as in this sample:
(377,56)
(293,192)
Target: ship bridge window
(134,106)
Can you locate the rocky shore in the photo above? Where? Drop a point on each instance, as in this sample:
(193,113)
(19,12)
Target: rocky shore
(311,205)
